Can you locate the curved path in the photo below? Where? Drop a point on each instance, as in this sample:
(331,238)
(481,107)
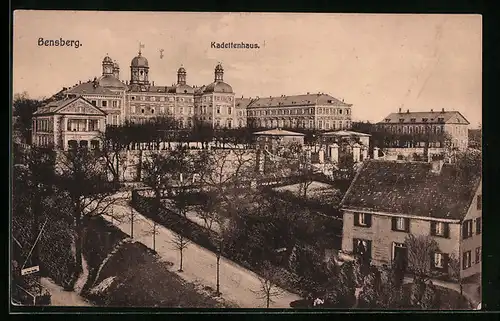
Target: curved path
(237,284)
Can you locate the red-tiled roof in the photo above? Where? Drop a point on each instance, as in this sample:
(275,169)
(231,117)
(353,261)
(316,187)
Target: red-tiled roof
(297,100)
(411,188)
(445,117)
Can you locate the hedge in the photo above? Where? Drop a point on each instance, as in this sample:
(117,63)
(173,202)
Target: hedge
(199,235)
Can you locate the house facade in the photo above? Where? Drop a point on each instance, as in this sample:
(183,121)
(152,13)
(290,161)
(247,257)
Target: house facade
(310,111)
(68,123)
(427,126)
(140,100)
(389,200)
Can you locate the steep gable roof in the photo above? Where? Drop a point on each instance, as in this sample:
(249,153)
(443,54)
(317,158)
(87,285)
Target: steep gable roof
(411,188)
(69,105)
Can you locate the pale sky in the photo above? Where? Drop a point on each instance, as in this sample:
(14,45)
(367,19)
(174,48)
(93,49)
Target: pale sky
(378,63)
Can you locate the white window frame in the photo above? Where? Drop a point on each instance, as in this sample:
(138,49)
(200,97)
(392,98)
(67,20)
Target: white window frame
(468,259)
(362,219)
(439,228)
(394,246)
(400,224)
(438,260)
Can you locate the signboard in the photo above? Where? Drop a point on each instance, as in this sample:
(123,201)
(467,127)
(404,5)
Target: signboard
(30,270)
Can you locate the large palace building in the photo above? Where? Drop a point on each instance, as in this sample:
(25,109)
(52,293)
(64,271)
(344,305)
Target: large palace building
(311,111)
(139,100)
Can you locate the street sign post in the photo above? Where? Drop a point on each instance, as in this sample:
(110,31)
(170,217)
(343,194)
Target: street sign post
(30,270)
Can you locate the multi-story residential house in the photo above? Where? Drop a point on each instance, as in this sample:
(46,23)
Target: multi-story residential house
(68,123)
(311,111)
(388,200)
(424,124)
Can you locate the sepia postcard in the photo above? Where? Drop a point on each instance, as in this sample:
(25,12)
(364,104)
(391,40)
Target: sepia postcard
(246,160)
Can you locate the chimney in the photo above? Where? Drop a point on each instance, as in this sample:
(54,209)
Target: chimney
(79,82)
(308,93)
(407,111)
(442,110)
(436,166)
(432,110)
(153,83)
(400,110)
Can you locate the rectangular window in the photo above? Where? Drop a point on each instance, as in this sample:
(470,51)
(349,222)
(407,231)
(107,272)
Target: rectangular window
(218,109)
(93,125)
(132,109)
(424,120)
(362,219)
(479,202)
(478,225)
(466,260)
(478,255)
(229,110)
(94,102)
(440,260)
(440,229)
(401,224)
(412,120)
(362,247)
(466,229)
(104,103)
(181,110)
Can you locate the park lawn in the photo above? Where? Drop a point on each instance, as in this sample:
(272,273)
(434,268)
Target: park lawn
(134,275)
(450,299)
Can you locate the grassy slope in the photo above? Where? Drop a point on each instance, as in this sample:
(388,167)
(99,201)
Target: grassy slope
(450,299)
(141,279)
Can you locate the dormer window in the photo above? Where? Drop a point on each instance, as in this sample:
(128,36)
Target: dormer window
(441,120)
(401,120)
(413,120)
(424,120)
(387,120)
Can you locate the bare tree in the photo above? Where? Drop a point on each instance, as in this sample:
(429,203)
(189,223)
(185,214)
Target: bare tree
(180,243)
(454,270)
(156,171)
(420,252)
(268,291)
(113,145)
(82,176)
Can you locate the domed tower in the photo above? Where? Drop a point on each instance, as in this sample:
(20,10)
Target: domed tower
(181,76)
(116,70)
(139,69)
(219,73)
(107,66)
